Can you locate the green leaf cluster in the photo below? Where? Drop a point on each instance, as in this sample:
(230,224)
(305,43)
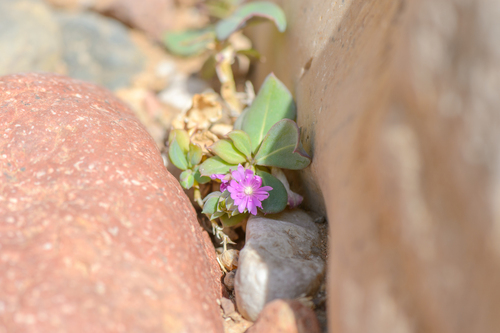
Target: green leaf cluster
(196,41)
(248,12)
(267,137)
(187,157)
(220,205)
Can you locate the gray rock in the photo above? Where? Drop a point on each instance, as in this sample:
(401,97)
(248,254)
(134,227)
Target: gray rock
(280,260)
(99,49)
(229,280)
(30,39)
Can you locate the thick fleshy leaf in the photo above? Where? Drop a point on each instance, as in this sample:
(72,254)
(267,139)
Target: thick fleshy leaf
(194,154)
(277,196)
(186,179)
(238,124)
(210,205)
(215,165)
(177,155)
(257,9)
(229,203)
(281,147)
(182,138)
(199,178)
(217,215)
(294,199)
(242,142)
(226,150)
(272,104)
(234,220)
(211,195)
(222,205)
(189,43)
(225,194)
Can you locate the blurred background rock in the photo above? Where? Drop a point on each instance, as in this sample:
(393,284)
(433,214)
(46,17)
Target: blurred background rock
(113,43)
(399,104)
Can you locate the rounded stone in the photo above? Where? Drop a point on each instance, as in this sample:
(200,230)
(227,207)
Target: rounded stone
(286,316)
(95,234)
(280,260)
(30,37)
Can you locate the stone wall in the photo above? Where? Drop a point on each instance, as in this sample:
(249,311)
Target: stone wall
(398,104)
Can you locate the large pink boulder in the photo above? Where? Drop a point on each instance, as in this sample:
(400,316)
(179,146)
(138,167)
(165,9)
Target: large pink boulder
(95,234)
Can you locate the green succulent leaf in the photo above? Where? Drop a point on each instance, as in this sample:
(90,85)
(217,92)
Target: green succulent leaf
(278,196)
(241,141)
(177,156)
(190,42)
(281,147)
(199,178)
(272,104)
(215,165)
(229,203)
(226,150)
(238,124)
(194,154)
(186,179)
(252,10)
(210,205)
(211,195)
(225,194)
(216,215)
(233,220)
(222,205)
(182,138)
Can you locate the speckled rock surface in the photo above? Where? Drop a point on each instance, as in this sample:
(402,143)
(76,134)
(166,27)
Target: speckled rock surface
(281,259)
(286,316)
(95,235)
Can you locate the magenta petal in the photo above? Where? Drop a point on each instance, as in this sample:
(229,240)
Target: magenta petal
(248,174)
(294,200)
(257,181)
(265,188)
(251,206)
(233,186)
(240,173)
(261,197)
(217,176)
(242,205)
(259,191)
(255,203)
(258,203)
(237,197)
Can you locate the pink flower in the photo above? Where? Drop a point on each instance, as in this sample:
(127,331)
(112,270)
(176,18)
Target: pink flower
(246,190)
(223,178)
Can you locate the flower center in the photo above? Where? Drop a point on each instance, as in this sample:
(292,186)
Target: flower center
(248,190)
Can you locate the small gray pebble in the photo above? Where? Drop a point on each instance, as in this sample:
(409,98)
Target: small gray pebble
(229,280)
